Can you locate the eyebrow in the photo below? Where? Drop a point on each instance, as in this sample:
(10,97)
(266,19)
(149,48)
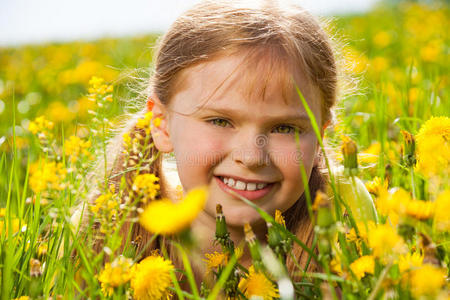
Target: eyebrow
(232,112)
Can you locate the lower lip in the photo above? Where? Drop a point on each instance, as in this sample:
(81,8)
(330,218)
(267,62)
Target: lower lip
(250,195)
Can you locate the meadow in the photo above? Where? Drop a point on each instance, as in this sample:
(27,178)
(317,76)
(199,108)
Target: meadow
(60,103)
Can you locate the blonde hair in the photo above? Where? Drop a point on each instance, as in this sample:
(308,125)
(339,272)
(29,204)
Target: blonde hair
(284,33)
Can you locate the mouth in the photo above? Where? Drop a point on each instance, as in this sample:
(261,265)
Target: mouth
(251,190)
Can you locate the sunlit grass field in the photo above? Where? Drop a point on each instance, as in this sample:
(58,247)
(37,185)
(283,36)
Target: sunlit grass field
(60,102)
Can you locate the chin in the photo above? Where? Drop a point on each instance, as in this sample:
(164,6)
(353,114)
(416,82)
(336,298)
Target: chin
(245,215)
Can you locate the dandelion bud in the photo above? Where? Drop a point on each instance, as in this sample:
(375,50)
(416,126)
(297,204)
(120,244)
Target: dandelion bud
(350,151)
(274,238)
(409,149)
(221,225)
(253,245)
(222,235)
(322,204)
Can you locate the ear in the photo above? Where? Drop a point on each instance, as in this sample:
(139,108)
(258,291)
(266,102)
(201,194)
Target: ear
(160,134)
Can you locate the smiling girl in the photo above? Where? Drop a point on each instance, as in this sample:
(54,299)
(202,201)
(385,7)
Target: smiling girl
(224,87)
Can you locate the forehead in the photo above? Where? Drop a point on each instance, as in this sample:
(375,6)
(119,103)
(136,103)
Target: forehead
(260,76)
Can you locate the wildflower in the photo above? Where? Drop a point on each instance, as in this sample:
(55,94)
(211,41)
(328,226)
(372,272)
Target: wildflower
(115,274)
(256,284)
(75,146)
(363,265)
(409,149)
(105,208)
(47,175)
(215,260)
(385,241)
(42,250)
(144,123)
(433,135)
(40,124)
(146,186)
(363,229)
(151,278)
(376,187)
(157,122)
(409,260)
(427,280)
(22,298)
(279,218)
(335,265)
(442,216)
(349,151)
(165,217)
(420,209)
(97,86)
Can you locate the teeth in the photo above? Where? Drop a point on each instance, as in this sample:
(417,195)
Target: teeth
(242,186)
(239,185)
(261,185)
(251,186)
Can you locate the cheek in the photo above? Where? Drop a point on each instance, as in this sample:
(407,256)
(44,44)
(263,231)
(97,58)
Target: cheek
(288,155)
(196,150)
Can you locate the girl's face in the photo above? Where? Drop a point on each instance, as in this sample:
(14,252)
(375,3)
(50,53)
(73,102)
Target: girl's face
(232,127)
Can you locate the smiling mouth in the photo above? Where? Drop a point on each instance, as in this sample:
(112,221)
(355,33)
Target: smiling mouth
(249,190)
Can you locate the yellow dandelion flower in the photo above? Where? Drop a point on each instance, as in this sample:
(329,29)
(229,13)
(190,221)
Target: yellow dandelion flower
(419,209)
(115,274)
(409,261)
(151,278)
(165,217)
(376,187)
(215,260)
(279,218)
(427,280)
(363,228)
(395,200)
(434,134)
(256,284)
(146,186)
(442,216)
(335,265)
(385,241)
(363,265)
(22,298)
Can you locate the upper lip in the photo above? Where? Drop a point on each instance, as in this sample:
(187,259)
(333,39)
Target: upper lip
(246,180)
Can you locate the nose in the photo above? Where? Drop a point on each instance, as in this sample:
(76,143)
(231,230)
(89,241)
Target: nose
(250,150)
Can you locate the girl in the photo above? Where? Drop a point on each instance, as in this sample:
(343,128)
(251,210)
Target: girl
(224,88)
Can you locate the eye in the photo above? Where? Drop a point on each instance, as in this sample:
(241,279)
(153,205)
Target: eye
(219,122)
(285,129)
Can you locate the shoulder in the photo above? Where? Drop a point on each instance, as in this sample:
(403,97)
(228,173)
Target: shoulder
(355,194)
